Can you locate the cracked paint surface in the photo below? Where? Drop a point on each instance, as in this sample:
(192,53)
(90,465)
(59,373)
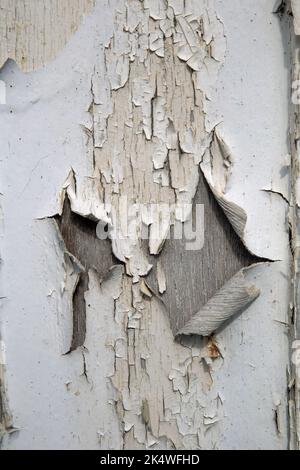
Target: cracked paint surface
(33,33)
(142,135)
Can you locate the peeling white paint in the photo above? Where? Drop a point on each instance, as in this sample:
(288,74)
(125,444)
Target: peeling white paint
(130,123)
(216,166)
(159,99)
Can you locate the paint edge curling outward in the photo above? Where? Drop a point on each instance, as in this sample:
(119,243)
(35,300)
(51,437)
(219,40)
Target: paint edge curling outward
(234,297)
(215,167)
(237,294)
(296,13)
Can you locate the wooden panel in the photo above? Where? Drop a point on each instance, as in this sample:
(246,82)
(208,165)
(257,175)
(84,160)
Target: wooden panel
(193,277)
(79,235)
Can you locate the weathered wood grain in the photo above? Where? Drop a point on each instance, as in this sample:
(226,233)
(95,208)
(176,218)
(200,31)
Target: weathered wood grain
(33,32)
(193,277)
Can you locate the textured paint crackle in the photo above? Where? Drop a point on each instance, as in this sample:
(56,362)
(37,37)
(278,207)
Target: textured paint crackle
(296,13)
(144,380)
(146,137)
(6,419)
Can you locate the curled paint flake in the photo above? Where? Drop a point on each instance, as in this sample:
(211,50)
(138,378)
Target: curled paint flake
(231,299)
(296,14)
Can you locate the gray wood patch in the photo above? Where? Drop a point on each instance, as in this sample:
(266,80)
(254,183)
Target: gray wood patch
(193,277)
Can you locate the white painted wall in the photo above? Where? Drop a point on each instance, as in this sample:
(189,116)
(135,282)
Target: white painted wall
(52,403)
